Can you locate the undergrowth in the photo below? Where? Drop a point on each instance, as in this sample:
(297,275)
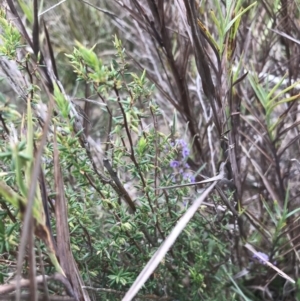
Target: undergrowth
(116,118)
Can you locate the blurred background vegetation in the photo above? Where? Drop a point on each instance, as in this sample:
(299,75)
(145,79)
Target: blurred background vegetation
(112,111)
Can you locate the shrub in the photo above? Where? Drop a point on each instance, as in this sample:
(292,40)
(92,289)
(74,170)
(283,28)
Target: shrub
(94,184)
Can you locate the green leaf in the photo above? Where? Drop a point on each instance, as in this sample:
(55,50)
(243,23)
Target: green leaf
(228,26)
(259,91)
(63,104)
(10,195)
(2,229)
(27,10)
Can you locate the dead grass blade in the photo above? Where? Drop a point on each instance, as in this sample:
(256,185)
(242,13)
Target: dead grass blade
(266,155)
(285,35)
(264,179)
(201,62)
(281,151)
(44,196)
(64,252)
(35,30)
(105,11)
(287,129)
(51,53)
(33,289)
(182,13)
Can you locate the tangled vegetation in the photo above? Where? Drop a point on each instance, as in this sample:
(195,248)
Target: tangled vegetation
(149,150)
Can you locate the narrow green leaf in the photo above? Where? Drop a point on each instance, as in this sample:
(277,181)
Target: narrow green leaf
(228,26)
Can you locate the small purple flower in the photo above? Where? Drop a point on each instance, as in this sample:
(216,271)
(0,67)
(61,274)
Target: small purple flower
(262,258)
(185,176)
(192,179)
(185,152)
(180,166)
(182,142)
(174,164)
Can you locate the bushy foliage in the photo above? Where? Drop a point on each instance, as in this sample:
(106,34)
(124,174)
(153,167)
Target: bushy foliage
(103,155)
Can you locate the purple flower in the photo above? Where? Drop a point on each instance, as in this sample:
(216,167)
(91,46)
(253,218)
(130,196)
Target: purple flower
(185,176)
(185,152)
(184,146)
(180,165)
(174,164)
(182,142)
(262,258)
(192,179)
